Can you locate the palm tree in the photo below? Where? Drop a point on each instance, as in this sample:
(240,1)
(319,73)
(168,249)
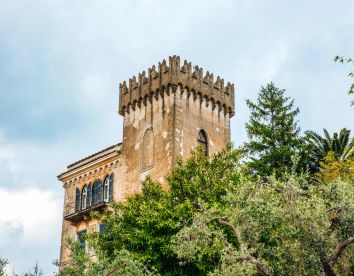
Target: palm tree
(340,144)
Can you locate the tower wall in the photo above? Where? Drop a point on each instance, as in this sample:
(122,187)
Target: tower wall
(173,103)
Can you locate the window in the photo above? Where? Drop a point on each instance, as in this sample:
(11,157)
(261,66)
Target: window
(102,228)
(88,197)
(96,191)
(77,200)
(147,150)
(203,141)
(81,238)
(106,189)
(84,198)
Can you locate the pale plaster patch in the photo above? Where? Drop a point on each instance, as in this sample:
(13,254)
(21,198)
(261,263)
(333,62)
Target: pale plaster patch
(164,134)
(136,123)
(137,146)
(143,175)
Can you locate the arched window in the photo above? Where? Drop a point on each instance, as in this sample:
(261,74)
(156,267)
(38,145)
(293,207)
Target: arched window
(88,197)
(148,150)
(84,198)
(203,141)
(96,191)
(77,200)
(108,188)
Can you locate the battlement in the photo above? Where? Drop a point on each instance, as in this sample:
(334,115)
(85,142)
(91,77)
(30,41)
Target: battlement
(159,81)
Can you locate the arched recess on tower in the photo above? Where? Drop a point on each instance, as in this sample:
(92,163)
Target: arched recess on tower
(147,158)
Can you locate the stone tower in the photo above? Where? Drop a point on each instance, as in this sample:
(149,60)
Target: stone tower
(166,113)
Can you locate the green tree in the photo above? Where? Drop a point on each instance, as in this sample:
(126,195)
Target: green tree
(273,132)
(3,264)
(216,220)
(146,222)
(350,74)
(319,146)
(280,228)
(332,168)
(83,264)
(37,271)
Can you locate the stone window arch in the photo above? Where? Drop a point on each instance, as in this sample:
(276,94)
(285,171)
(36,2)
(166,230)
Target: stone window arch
(147,149)
(84,198)
(203,141)
(108,188)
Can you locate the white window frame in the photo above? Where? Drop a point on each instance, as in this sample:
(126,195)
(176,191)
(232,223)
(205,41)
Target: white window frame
(84,198)
(106,189)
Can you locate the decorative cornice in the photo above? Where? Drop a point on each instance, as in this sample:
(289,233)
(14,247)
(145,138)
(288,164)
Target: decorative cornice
(90,160)
(143,88)
(90,174)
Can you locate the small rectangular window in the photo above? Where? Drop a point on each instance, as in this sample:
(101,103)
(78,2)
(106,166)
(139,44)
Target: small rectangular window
(81,238)
(102,228)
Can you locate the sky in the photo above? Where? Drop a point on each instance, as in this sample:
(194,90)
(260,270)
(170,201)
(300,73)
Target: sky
(61,63)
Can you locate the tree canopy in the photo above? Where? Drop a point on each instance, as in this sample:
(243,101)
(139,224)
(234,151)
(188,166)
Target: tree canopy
(216,220)
(273,132)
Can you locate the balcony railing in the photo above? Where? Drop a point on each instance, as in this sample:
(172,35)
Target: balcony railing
(73,215)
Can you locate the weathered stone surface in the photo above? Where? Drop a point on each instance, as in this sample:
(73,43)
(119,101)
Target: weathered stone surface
(163,113)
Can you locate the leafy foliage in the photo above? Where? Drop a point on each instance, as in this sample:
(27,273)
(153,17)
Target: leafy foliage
(37,271)
(281,229)
(216,220)
(341,146)
(83,264)
(145,224)
(350,74)
(333,168)
(273,132)
(3,264)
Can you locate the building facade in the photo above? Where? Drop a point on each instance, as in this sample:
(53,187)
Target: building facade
(166,113)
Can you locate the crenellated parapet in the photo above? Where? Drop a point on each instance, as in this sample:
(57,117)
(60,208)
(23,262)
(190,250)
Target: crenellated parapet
(159,81)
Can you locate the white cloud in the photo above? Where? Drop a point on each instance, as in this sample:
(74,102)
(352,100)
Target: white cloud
(31,214)
(30,224)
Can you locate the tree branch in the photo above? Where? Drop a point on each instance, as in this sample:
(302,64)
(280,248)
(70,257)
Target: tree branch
(225,221)
(327,268)
(260,267)
(339,250)
(248,258)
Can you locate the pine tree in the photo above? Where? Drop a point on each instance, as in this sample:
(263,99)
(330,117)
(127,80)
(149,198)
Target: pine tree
(273,132)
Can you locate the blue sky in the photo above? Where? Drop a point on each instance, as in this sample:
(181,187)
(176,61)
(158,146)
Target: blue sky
(61,63)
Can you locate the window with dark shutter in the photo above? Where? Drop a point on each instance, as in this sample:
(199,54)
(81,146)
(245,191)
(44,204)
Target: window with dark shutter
(88,198)
(102,228)
(203,141)
(81,238)
(96,191)
(77,200)
(110,197)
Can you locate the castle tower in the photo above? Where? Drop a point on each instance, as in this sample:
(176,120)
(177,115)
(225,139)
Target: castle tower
(168,112)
